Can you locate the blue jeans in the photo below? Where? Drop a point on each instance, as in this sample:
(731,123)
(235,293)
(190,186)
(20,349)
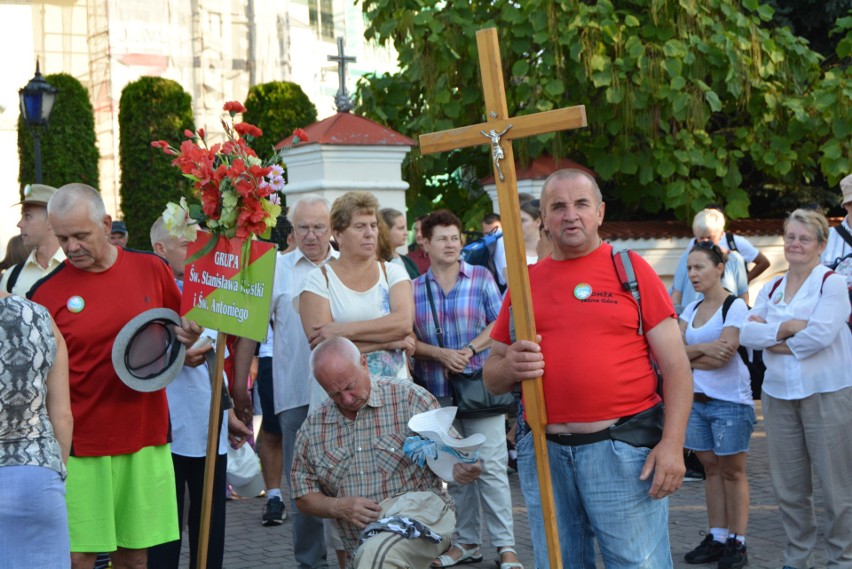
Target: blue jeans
(598,495)
(309,548)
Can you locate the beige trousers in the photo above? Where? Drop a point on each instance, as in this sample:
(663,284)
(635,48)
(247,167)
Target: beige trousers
(391,551)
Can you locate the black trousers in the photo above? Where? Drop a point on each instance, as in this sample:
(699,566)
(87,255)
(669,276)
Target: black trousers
(189,475)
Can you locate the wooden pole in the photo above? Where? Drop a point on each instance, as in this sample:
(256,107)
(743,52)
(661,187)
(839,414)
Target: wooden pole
(499,130)
(213,427)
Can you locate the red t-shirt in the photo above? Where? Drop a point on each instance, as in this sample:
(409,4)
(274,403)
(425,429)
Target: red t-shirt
(596,364)
(109,417)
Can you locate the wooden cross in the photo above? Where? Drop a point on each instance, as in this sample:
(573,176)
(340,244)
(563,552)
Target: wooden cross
(499,127)
(341,99)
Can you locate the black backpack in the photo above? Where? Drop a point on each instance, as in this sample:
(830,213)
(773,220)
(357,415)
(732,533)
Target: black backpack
(755,365)
(481,252)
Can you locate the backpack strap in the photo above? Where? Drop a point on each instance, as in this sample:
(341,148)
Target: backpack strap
(842,231)
(627,277)
(727,306)
(775,286)
(13,277)
(824,277)
(732,245)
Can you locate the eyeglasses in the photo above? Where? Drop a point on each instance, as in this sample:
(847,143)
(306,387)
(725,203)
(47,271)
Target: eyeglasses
(804,240)
(319,230)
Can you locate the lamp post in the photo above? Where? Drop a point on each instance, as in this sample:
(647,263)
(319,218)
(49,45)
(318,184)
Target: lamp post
(37,99)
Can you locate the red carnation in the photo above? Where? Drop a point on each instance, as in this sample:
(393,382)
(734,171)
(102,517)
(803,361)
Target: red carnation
(234,107)
(246,129)
(300,134)
(188,133)
(201,133)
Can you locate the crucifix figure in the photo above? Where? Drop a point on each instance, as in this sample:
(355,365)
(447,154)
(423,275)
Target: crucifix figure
(342,100)
(496,150)
(496,129)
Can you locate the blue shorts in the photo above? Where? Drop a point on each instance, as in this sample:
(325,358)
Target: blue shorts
(266,393)
(720,426)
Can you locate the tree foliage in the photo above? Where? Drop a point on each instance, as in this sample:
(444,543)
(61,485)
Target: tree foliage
(689,102)
(69,151)
(277,108)
(151,108)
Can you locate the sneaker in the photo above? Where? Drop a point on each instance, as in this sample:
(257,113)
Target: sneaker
(707,551)
(693,476)
(734,556)
(274,513)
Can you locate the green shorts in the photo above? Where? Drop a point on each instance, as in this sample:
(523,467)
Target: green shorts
(123,501)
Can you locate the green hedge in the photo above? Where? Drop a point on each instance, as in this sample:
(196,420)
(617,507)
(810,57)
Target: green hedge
(69,151)
(151,108)
(277,108)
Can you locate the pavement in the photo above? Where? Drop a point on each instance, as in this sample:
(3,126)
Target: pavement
(249,545)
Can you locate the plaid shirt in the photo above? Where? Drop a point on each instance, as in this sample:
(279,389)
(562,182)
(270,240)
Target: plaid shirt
(339,457)
(473,303)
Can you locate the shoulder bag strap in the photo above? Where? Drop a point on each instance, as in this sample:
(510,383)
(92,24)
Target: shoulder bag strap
(438,331)
(13,277)
(844,233)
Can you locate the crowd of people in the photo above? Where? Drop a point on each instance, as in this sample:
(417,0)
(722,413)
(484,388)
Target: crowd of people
(362,338)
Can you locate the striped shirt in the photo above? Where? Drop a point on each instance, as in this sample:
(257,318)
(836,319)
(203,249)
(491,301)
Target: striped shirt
(340,457)
(472,304)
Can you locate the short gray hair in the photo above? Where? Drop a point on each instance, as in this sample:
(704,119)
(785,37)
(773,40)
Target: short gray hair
(813,220)
(336,346)
(73,195)
(159,233)
(709,219)
(570,174)
(306,200)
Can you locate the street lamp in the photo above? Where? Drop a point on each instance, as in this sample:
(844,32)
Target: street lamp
(37,100)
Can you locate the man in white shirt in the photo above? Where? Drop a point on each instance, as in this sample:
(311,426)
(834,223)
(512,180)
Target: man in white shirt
(840,237)
(38,236)
(292,378)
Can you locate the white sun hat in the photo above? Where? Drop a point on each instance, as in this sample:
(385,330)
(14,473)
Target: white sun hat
(435,425)
(146,354)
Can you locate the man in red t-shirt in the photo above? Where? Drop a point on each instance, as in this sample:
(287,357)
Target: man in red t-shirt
(598,376)
(120,486)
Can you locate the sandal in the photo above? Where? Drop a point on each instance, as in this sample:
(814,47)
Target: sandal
(471,555)
(508,564)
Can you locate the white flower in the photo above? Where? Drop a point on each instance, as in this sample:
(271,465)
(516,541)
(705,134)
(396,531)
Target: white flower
(178,222)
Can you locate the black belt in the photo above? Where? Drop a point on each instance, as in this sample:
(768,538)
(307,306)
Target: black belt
(576,439)
(701,398)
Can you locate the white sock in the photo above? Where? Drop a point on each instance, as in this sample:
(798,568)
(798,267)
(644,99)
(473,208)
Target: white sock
(740,538)
(719,534)
(273,493)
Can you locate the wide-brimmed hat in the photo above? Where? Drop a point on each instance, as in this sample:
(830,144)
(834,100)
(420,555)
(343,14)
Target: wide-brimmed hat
(846,189)
(146,354)
(37,194)
(435,425)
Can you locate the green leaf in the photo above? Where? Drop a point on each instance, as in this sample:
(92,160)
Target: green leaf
(555,88)
(678,83)
(631,21)
(520,68)
(713,100)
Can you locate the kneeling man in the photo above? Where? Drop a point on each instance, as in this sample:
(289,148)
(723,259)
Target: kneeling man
(350,465)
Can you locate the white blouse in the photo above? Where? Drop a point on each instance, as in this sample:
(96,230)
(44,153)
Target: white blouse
(821,361)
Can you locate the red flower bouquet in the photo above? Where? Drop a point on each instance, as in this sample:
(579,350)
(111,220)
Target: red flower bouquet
(239,192)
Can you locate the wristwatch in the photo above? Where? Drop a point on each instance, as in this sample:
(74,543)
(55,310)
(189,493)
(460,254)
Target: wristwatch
(472,349)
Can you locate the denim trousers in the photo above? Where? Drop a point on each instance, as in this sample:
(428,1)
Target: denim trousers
(309,547)
(598,496)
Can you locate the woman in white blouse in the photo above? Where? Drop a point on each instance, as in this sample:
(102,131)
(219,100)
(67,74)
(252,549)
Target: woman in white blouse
(722,417)
(799,320)
(358,297)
